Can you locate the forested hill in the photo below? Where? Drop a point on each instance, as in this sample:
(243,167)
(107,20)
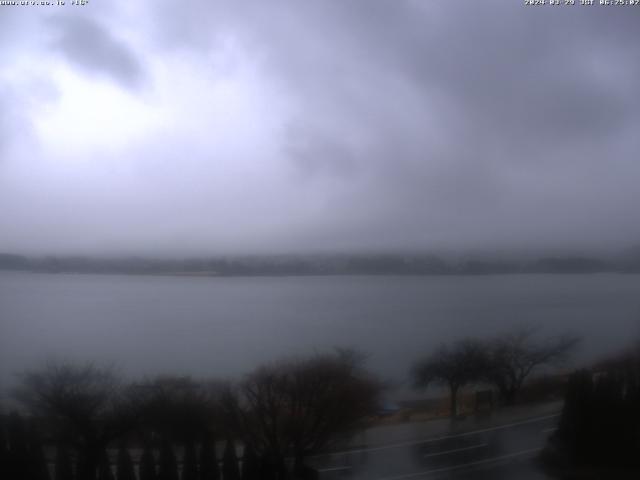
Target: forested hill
(391,264)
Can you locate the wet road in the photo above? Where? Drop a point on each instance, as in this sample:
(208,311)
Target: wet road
(503,451)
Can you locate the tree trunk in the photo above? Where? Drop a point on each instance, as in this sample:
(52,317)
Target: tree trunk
(454,401)
(509,396)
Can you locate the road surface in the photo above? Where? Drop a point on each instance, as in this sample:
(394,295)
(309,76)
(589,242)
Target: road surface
(502,450)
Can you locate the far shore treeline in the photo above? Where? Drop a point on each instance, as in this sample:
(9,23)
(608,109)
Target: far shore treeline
(324,264)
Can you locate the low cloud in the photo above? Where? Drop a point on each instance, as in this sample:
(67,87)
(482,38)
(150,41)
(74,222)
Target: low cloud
(323,125)
(91,47)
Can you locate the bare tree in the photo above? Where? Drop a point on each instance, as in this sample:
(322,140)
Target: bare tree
(88,407)
(514,356)
(453,366)
(180,408)
(302,406)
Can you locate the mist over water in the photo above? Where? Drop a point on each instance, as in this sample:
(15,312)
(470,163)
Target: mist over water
(225,327)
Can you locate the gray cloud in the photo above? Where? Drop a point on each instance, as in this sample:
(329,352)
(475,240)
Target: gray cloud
(387,125)
(92,47)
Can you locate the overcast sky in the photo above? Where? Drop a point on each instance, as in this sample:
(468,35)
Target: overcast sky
(166,127)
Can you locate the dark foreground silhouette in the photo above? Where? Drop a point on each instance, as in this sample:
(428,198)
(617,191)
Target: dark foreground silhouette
(83,422)
(89,425)
(598,435)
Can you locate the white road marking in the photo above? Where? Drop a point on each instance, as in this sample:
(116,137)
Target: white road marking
(333,469)
(438,439)
(472,447)
(463,465)
(547,430)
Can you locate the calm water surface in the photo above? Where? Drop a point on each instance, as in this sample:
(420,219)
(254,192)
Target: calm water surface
(223,327)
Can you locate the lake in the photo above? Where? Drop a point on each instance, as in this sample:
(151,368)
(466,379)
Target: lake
(223,327)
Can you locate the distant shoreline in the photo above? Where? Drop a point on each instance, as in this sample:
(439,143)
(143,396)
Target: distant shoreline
(318,275)
(320,265)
